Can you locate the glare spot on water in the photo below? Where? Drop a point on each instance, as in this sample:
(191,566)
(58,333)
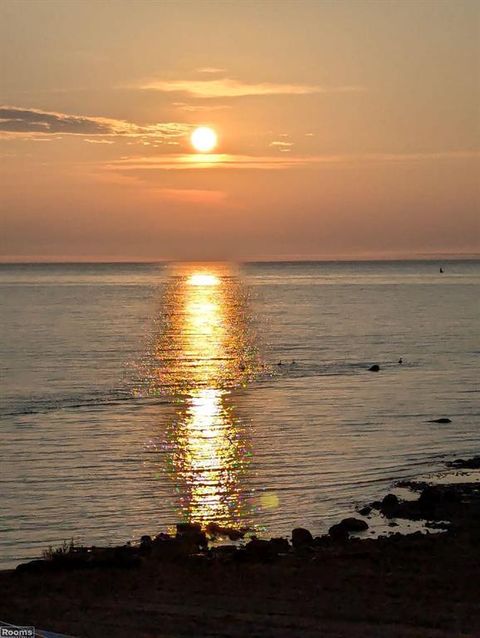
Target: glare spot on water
(269,500)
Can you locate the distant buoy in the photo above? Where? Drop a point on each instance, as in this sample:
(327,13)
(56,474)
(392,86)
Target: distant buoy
(441,270)
(374,368)
(400,361)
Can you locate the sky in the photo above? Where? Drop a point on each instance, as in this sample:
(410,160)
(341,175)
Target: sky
(346,129)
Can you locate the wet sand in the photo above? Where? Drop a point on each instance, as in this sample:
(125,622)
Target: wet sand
(422,586)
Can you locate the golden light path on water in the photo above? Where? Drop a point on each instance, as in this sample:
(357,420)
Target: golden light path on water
(205,349)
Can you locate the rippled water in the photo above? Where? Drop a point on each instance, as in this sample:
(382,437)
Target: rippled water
(134,395)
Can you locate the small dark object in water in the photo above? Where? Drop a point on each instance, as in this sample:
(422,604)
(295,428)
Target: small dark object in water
(442,420)
(279,363)
(400,361)
(293,362)
(374,368)
(241,367)
(441,270)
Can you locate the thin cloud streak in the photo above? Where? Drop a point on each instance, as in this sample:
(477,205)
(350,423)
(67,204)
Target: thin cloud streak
(177,162)
(230,88)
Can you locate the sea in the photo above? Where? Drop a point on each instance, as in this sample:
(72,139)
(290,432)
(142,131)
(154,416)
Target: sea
(138,395)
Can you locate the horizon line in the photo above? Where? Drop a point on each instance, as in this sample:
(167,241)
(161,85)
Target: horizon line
(344,258)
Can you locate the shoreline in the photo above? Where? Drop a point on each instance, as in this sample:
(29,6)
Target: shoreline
(333,585)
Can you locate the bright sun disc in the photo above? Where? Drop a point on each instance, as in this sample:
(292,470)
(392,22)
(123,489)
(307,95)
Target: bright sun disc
(203,139)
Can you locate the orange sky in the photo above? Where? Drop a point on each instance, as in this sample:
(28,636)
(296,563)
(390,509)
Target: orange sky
(346,129)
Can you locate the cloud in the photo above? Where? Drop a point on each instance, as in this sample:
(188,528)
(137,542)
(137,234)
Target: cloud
(210,69)
(27,122)
(229,88)
(22,120)
(191,161)
(199,108)
(285,147)
(176,162)
(100,141)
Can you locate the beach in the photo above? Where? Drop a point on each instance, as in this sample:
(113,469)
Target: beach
(418,585)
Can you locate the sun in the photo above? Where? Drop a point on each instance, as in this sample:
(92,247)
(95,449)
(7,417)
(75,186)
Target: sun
(204,139)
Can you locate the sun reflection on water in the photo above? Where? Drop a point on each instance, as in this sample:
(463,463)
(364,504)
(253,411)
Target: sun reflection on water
(206,349)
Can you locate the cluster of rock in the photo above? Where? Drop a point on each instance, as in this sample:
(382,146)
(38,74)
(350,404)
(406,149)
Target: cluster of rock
(435,501)
(192,540)
(469,464)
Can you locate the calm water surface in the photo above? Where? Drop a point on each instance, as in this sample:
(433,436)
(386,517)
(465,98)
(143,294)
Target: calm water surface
(137,395)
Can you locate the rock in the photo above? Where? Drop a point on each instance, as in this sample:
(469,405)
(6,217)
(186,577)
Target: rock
(442,420)
(430,496)
(390,506)
(469,464)
(374,368)
(214,530)
(188,528)
(389,501)
(301,537)
(338,532)
(365,511)
(191,533)
(161,537)
(354,524)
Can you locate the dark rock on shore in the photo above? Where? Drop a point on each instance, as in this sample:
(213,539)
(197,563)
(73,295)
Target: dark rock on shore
(260,550)
(301,537)
(191,533)
(469,464)
(338,532)
(214,530)
(389,505)
(341,531)
(354,524)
